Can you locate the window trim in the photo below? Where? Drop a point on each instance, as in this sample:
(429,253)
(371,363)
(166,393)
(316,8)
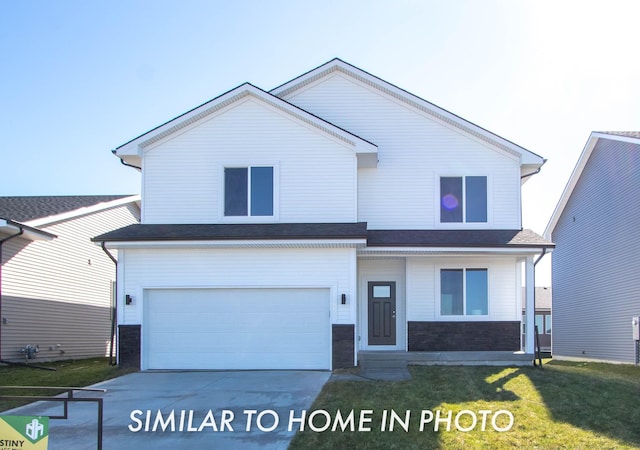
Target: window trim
(464,224)
(248,165)
(463,317)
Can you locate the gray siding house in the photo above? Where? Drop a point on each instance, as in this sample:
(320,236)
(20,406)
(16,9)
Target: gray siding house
(57,286)
(595,266)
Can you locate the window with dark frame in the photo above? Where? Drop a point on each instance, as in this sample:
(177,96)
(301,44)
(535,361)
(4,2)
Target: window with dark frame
(248,191)
(464,292)
(463,199)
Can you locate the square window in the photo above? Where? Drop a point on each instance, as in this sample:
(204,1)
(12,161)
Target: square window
(464,292)
(248,191)
(463,199)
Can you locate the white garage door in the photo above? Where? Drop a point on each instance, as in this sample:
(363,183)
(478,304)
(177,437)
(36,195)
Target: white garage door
(237,329)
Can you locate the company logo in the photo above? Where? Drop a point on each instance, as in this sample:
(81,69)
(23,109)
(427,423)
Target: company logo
(34,430)
(24,432)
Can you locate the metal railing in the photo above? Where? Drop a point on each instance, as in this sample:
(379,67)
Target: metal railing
(65,401)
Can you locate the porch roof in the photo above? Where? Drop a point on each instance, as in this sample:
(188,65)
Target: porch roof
(220,232)
(457,238)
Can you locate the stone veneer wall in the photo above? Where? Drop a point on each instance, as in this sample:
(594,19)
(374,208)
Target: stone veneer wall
(129,346)
(343,346)
(464,336)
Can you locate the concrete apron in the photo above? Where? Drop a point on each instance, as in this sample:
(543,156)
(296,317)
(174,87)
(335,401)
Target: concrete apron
(225,394)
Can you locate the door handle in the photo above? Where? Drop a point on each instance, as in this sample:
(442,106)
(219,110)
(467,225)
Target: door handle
(393,314)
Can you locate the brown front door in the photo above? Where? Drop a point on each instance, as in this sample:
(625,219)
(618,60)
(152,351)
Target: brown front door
(382,312)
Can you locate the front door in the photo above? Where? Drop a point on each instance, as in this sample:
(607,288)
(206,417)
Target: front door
(382,312)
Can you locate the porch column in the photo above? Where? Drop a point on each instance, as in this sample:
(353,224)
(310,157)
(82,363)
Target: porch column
(529,305)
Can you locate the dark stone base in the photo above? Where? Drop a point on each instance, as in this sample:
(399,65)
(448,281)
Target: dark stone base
(343,346)
(463,336)
(129,346)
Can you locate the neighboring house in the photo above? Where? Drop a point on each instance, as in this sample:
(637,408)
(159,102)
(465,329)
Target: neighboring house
(595,268)
(56,284)
(333,215)
(542,318)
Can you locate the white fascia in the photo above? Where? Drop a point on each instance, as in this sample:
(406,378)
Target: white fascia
(263,243)
(82,211)
(29,233)
(433,251)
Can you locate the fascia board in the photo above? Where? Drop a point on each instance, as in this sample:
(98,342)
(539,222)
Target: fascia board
(454,250)
(571,183)
(577,172)
(137,145)
(29,233)
(82,211)
(261,243)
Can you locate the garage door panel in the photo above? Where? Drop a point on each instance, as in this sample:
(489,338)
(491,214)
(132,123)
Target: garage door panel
(237,329)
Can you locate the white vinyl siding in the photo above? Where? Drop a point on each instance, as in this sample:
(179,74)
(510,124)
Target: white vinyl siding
(234,268)
(423,280)
(59,291)
(414,149)
(182,174)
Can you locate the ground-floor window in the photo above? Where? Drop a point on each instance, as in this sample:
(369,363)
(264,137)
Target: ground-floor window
(464,292)
(542,321)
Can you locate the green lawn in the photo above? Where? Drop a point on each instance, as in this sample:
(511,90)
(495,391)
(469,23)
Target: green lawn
(564,405)
(78,373)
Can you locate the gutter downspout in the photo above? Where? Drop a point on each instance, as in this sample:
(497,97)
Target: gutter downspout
(125,163)
(115,305)
(2,241)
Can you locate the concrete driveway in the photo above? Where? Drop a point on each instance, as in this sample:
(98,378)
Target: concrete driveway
(195,404)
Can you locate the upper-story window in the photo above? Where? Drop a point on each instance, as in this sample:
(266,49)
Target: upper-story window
(248,191)
(463,199)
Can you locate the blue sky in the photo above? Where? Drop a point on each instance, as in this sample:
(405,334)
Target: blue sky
(80,78)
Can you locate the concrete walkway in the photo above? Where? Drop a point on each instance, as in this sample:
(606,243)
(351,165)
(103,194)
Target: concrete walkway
(228,397)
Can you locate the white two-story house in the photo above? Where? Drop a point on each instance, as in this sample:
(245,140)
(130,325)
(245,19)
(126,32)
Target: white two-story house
(333,215)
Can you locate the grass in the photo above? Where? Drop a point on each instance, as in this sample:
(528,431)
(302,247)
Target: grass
(71,373)
(564,405)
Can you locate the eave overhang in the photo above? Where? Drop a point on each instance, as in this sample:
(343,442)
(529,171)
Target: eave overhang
(281,235)
(132,151)
(30,233)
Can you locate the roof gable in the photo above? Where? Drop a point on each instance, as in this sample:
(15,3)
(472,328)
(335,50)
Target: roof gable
(632,137)
(132,150)
(527,158)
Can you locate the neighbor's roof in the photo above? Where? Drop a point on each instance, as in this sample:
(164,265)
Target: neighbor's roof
(543,297)
(632,134)
(457,238)
(632,137)
(34,208)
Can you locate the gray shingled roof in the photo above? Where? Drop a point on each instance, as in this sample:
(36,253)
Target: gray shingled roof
(375,238)
(633,134)
(214,232)
(27,208)
(456,238)
(543,297)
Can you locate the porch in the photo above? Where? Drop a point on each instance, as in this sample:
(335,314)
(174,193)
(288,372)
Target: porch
(400,359)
